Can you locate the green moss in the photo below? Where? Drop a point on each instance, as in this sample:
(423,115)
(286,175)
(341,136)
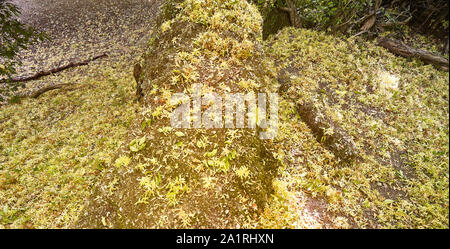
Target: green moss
(216,174)
(62,149)
(57,145)
(396,111)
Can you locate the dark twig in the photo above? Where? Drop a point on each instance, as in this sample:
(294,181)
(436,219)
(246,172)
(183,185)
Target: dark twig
(53,70)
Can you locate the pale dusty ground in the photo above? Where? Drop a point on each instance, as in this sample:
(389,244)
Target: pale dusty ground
(82,29)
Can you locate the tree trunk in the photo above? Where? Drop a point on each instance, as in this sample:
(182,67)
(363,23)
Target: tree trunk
(446,47)
(291,9)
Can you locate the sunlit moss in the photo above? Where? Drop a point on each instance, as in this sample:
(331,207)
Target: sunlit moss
(396,111)
(54,148)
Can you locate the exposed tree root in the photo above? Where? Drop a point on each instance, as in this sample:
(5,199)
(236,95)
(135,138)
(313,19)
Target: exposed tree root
(338,142)
(53,70)
(446,47)
(372,18)
(399,48)
(43,90)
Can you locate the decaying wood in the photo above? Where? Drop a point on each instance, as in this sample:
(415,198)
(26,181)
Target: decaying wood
(399,48)
(54,70)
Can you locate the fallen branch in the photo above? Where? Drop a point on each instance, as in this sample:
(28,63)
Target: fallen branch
(360,33)
(399,48)
(53,70)
(46,89)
